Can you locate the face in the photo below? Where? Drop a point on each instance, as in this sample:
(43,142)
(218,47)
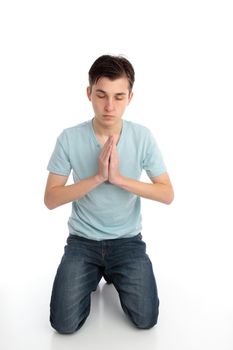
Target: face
(109,100)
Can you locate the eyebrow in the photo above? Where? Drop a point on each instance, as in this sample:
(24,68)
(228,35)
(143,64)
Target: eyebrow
(118,93)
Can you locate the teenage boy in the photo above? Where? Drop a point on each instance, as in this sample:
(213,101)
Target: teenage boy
(106,155)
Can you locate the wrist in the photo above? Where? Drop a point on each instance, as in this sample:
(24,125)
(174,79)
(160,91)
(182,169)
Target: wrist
(117,180)
(99,179)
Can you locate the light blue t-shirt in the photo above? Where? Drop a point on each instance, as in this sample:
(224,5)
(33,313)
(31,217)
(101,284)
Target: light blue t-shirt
(108,211)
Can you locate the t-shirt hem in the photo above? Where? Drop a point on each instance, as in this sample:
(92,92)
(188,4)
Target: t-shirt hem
(108,236)
(57,172)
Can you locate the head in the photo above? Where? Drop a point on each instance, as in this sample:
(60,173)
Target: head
(111,80)
(111,67)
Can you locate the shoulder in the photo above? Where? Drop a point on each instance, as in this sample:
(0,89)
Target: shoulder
(79,128)
(142,136)
(74,135)
(137,128)
(139,132)
(75,132)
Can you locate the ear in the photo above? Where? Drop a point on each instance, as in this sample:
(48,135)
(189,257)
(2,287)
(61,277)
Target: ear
(130,96)
(89,93)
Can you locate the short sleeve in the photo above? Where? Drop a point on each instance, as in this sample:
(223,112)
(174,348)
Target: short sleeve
(153,162)
(59,162)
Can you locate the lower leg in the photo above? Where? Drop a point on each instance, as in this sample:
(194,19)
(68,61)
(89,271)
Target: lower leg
(70,301)
(132,274)
(139,297)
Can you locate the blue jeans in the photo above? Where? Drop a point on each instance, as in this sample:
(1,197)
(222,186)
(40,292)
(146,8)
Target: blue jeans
(123,262)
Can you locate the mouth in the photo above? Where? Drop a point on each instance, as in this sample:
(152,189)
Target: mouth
(108,116)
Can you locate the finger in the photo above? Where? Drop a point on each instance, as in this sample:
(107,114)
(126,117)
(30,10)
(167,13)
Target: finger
(108,154)
(107,147)
(104,157)
(113,154)
(114,147)
(114,138)
(107,143)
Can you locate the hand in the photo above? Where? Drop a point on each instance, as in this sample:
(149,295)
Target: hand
(104,159)
(114,172)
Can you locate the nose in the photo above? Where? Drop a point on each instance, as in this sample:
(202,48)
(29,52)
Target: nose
(109,105)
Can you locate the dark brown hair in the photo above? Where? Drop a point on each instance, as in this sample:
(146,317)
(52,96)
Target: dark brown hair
(112,67)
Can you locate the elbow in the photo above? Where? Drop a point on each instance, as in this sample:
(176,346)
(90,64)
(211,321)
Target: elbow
(50,207)
(49,203)
(170,197)
(168,201)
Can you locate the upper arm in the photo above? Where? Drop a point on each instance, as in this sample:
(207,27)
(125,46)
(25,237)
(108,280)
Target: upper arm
(55,180)
(162,179)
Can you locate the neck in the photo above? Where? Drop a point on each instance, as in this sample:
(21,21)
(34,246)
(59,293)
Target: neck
(102,133)
(106,131)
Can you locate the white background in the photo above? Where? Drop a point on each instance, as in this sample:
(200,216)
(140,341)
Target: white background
(182,53)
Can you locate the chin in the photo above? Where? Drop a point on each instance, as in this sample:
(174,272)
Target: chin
(108,117)
(108,120)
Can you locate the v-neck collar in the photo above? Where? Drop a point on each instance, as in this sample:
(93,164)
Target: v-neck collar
(97,141)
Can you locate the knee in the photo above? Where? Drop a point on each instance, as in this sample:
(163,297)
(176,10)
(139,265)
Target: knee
(63,327)
(146,321)
(64,331)
(146,324)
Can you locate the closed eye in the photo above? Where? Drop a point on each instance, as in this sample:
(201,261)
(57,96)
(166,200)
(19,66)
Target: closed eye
(120,97)
(100,95)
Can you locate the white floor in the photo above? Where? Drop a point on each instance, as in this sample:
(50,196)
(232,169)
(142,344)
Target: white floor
(190,246)
(190,319)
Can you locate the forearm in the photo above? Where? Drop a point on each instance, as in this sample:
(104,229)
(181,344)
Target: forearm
(59,195)
(155,191)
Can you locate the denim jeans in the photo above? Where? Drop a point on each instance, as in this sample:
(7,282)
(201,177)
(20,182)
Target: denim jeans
(123,262)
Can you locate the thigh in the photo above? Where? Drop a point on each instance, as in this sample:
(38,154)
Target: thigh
(77,276)
(134,280)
